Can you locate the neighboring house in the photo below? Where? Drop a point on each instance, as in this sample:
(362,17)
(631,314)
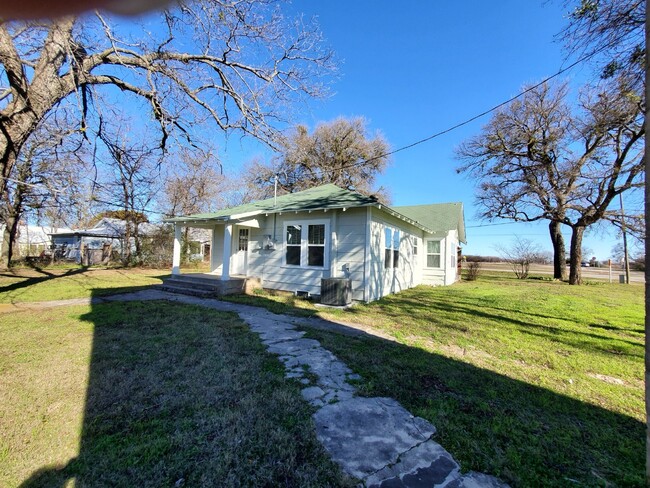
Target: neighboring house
(100,241)
(292,242)
(32,240)
(200,241)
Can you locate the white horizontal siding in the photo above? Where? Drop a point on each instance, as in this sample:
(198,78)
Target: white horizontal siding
(408,274)
(347,236)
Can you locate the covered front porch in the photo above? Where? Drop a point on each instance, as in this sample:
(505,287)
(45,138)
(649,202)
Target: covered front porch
(229,247)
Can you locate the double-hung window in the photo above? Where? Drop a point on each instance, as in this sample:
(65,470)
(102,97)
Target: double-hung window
(388,253)
(395,248)
(306,244)
(391,253)
(294,244)
(316,245)
(433,254)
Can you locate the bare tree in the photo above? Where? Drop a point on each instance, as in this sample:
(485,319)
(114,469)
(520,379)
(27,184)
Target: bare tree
(538,160)
(43,178)
(519,163)
(340,152)
(520,254)
(235,63)
(612,31)
(194,184)
(131,183)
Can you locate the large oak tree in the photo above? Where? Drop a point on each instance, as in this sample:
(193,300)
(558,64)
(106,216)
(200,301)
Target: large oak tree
(238,64)
(342,152)
(539,159)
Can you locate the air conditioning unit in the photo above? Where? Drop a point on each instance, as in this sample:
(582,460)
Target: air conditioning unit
(336,291)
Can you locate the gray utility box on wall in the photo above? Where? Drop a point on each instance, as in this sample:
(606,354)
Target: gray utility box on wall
(336,291)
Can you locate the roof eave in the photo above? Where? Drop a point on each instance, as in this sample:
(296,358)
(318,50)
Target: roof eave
(395,213)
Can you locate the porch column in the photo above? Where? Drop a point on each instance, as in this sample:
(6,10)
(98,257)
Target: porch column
(227,249)
(213,250)
(176,256)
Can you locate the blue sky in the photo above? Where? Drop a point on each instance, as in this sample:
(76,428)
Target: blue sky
(415,68)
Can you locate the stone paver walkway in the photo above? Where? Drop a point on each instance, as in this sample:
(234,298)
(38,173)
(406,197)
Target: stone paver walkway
(373,439)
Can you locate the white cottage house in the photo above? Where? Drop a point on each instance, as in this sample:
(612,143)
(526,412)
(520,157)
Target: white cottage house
(294,241)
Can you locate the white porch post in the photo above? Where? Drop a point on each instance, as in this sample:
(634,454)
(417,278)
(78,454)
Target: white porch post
(176,256)
(213,250)
(227,248)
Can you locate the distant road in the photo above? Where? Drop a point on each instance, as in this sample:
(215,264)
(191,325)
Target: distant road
(588,273)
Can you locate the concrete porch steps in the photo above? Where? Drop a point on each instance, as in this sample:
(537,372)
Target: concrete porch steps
(208,286)
(183,290)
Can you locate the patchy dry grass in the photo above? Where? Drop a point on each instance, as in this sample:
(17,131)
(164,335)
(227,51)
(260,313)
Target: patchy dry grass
(149,394)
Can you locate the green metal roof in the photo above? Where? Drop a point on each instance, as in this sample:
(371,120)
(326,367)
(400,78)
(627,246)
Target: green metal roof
(439,217)
(319,198)
(431,218)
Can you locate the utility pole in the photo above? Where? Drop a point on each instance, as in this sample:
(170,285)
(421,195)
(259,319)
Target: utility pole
(626,256)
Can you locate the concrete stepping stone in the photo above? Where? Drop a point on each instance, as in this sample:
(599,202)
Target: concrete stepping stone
(364,435)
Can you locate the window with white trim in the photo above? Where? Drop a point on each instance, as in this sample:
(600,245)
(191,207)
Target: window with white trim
(391,252)
(306,244)
(415,246)
(395,248)
(433,254)
(294,245)
(243,240)
(388,253)
(316,245)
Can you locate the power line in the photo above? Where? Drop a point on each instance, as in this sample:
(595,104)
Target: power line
(42,187)
(498,223)
(482,114)
(411,145)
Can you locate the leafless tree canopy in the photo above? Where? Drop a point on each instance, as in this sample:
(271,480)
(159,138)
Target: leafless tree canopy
(539,160)
(612,30)
(238,64)
(340,152)
(195,184)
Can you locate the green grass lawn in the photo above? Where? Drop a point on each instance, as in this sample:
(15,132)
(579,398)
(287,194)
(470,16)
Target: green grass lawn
(34,285)
(535,381)
(149,394)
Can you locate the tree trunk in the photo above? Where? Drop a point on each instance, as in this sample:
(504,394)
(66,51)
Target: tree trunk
(126,249)
(7,247)
(10,233)
(136,237)
(559,251)
(575,271)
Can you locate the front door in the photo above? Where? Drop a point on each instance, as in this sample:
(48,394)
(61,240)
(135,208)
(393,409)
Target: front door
(240,256)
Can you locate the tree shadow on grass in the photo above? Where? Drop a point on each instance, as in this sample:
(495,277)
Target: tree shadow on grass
(524,434)
(438,311)
(180,395)
(47,276)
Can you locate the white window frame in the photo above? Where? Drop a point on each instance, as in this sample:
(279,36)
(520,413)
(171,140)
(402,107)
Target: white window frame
(453,255)
(439,253)
(388,247)
(304,244)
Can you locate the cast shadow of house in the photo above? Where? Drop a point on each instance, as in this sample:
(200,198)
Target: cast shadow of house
(513,427)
